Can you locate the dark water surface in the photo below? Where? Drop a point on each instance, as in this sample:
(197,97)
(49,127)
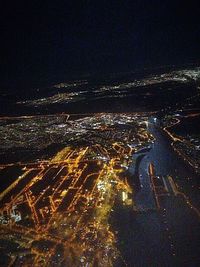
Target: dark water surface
(171,236)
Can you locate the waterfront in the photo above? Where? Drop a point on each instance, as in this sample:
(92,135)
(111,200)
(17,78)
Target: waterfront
(169,237)
(97,174)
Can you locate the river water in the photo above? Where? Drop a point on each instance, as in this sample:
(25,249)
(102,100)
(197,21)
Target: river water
(171,236)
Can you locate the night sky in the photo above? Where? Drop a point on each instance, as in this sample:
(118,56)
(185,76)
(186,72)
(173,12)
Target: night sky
(43,41)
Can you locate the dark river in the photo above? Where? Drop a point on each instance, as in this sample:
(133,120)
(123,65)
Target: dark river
(171,236)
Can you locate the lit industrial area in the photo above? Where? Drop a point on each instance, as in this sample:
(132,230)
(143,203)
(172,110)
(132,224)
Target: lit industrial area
(102,188)
(57,210)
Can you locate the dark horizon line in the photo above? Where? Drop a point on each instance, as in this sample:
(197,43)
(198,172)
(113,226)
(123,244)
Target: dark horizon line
(46,80)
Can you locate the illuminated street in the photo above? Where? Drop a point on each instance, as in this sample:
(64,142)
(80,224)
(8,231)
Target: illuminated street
(100,134)
(103,188)
(59,210)
(60,207)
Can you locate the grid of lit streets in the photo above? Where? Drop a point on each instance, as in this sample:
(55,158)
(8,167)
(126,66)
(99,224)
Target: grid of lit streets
(56,212)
